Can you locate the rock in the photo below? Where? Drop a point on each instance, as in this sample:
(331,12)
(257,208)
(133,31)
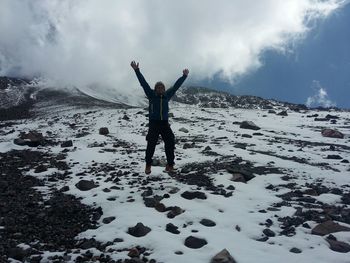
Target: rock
(223,257)
(321,119)
(332,133)
(18,253)
(238,173)
(295,250)
(103,131)
(269,232)
(160,207)
(237,177)
(334,157)
(107,220)
(134,253)
(249,125)
(247,136)
(207,149)
(85,185)
(40,168)
(331,117)
(64,189)
(188,146)
(192,195)
(195,242)
(207,222)
(68,143)
(174,211)
(327,228)
(183,130)
(282,113)
(172,228)
(19,142)
(139,230)
(338,246)
(126,118)
(33,138)
(271,112)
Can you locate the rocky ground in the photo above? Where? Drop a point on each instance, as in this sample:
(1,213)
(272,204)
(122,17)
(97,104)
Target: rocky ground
(269,181)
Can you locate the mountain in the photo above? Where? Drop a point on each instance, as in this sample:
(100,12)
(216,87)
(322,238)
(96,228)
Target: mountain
(257,180)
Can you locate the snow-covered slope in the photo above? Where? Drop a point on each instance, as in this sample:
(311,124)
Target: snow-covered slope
(258,193)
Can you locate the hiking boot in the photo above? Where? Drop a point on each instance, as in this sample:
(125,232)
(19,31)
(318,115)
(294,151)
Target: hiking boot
(169,168)
(148,169)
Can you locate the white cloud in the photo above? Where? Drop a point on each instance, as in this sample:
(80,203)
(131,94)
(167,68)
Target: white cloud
(91,42)
(320,98)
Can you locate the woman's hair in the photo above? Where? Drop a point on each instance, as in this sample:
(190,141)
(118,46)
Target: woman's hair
(159,83)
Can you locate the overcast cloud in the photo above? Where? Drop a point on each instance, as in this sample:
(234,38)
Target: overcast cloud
(90,43)
(320,98)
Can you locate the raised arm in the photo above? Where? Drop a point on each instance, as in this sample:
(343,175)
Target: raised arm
(170,92)
(147,89)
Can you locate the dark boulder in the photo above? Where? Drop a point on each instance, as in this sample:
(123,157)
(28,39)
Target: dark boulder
(195,242)
(192,195)
(104,131)
(223,257)
(328,227)
(332,133)
(249,125)
(139,230)
(85,185)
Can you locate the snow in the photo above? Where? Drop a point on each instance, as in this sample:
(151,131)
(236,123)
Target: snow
(242,209)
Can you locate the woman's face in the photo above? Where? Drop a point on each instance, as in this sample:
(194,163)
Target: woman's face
(160,89)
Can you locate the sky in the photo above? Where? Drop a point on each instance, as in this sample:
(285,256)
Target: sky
(316,73)
(269,48)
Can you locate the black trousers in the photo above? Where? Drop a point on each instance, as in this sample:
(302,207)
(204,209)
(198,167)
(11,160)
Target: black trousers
(162,128)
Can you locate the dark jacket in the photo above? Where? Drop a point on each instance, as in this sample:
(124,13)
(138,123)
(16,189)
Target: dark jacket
(158,104)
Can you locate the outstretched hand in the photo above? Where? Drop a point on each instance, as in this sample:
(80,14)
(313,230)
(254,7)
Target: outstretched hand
(134,65)
(185,72)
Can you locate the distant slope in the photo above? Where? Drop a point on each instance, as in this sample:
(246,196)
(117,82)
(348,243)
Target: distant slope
(205,97)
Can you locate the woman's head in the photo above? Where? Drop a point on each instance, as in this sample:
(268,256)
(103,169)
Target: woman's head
(159,88)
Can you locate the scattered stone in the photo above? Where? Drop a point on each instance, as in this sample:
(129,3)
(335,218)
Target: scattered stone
(183,130)
(207,222)
(103,131)
(126,118)
(195,242)
(192,195)
(295,250)
(188,146)
(249,125)
(107,220)
(40,168)
(269,232)
(332,133)
(174,211)
(85,185)
(134,253)
(240,175)
(20,142)
(334,157)
(172,228)
(282,113)
(338,246)
(66,144)
(328,227)
(160,207)
(18,253)
(223,257)
(139,230)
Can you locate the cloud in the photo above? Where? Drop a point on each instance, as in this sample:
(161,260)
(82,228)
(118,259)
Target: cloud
(320,98)
(90,43)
